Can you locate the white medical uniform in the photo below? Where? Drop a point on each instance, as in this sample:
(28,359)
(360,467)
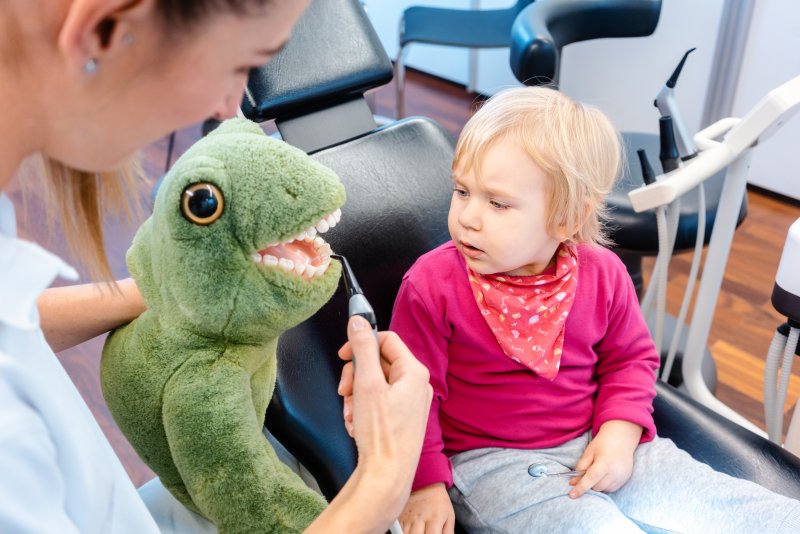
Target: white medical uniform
(58,472)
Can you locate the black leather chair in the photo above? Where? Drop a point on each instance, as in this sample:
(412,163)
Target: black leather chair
(397,181)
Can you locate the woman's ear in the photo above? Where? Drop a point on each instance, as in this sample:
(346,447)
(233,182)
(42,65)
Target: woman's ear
(95,30)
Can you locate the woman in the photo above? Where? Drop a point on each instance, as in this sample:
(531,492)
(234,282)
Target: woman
(86,83)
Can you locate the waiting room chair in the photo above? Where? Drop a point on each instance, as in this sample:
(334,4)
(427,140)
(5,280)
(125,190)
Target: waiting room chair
(397,179)
(463,28)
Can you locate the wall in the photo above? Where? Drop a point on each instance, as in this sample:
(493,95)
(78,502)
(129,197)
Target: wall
(770,59)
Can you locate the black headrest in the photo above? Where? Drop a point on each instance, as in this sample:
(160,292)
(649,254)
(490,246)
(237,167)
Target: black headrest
(332,56)
(544,27)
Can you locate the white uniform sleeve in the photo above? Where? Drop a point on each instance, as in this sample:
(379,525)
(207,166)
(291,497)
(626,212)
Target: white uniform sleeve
(32,490)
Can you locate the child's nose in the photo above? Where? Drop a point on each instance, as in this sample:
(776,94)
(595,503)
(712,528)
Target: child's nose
(470,216)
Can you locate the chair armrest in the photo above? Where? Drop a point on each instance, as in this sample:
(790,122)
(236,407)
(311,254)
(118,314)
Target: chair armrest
(544,27)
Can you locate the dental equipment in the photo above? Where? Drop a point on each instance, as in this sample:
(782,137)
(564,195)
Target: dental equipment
(540,471)
(665,102)
(784,346)
(357,303)
(740,135)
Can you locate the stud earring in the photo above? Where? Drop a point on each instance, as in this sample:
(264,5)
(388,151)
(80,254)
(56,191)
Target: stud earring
(90,67)
(127,39)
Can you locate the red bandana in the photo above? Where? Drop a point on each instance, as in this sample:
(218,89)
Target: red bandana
(527,314)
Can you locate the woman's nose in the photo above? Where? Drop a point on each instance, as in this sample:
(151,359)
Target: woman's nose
(227,109)
(229,106)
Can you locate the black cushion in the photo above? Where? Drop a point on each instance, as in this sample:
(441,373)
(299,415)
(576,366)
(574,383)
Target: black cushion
(340,58)
(724,445)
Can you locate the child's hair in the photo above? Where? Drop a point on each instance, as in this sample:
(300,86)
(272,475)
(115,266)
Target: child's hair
(575,145)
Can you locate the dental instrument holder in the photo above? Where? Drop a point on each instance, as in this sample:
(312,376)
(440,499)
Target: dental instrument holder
(669,154)
(733,152)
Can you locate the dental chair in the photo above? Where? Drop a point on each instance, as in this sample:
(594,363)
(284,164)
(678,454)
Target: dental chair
(397,178)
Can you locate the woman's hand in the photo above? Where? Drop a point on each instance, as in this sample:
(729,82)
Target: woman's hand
(608,459)
(428,510)
(387,399)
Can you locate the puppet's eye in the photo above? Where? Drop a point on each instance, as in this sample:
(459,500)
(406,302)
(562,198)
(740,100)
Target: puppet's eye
(202,203)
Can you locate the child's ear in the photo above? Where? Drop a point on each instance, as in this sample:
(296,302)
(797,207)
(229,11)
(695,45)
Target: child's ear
(94,30)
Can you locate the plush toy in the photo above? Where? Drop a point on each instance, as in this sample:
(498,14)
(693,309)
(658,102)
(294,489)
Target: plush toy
(228,261)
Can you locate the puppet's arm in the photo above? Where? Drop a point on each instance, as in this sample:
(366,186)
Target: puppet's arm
(228,468)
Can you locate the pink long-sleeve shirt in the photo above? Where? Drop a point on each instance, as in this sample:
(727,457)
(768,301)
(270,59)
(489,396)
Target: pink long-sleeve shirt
(482,398)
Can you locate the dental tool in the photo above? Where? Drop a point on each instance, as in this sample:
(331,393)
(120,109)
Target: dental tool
(357,304)
(665,102)
(540,471)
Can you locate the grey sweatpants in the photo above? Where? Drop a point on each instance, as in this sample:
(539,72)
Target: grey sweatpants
(669,491)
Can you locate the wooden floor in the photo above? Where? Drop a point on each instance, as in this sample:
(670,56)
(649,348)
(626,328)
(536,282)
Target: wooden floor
(741,333)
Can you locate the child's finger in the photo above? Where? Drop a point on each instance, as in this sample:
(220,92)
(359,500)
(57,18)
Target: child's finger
(587,481)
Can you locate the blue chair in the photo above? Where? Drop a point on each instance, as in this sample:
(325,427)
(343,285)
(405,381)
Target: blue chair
(463,28)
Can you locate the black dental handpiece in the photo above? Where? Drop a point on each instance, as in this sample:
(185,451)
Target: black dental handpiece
(357,303)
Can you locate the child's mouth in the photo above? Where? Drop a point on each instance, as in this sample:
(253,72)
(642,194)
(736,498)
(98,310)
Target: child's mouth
(470,251)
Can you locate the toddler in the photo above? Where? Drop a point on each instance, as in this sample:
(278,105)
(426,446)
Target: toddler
(540,359)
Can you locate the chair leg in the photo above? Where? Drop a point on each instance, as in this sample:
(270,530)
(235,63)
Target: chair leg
(400,82)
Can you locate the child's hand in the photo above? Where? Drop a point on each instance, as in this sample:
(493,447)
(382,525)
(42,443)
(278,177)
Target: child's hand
(608,459)
(428,510)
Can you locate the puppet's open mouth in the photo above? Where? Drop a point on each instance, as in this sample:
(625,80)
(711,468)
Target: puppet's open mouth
(305,254)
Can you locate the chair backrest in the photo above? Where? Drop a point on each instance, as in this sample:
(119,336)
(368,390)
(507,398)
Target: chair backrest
(397,179)
(544,27)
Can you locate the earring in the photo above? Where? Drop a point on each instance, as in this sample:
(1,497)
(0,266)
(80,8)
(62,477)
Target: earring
(90,67)
(127,39)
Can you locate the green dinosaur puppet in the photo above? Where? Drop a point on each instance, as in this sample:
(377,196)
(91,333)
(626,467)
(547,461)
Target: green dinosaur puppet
(228,261)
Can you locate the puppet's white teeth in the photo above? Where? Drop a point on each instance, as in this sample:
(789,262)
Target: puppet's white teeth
(324,249)
(256,257)
(300,268)
(318,242)
(270,261)
(322,226)
(331,220)
(337,214)
(286,265)
(311,232)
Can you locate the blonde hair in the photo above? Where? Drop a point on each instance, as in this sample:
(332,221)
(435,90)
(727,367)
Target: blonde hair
(575,145)
(82,199)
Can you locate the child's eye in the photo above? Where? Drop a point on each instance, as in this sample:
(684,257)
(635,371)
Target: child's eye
(497,205)
(460,192)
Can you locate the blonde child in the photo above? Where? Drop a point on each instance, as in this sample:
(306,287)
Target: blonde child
(538,353)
